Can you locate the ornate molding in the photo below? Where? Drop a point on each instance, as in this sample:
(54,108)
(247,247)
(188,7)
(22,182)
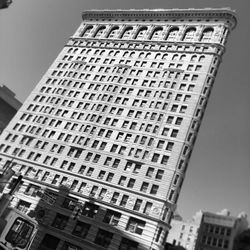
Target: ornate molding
(162,14)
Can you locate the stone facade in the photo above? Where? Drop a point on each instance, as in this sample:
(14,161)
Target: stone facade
(114,120)
(219,230)
(185,233)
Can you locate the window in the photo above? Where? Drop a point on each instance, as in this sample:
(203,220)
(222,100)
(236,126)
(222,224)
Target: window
(150,172)
(101,174)
(172,34)
(90,171)
(170,146)
(178,121)
(159,174)
(32,190)
(174,133)
(207,34)
(164,159)
(131,183)
(155,157)
(60,221)
(122,180)
(93,191)
(127,244)
(124,200)
(102,193)
(137,205)
(144,187)
(90,210)
(135,225)
(189,34)
(103,238)
(160,144)
(23,206)
(114,197)
(154,189)
(147,208)
(81,229)
(112,217)
(141,32)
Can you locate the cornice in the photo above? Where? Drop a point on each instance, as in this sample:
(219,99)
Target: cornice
(163,14)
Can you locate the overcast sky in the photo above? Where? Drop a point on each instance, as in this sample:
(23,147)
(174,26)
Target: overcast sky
(32,33)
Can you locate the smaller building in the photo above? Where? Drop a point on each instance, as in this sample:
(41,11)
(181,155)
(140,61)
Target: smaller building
(8,106)
(169,246)
(184,233)
(242,241)
(218,231)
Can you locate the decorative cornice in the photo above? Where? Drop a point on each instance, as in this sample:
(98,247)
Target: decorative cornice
(163,14)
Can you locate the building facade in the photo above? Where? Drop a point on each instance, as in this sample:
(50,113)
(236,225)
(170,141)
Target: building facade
(219,230)
(8,106)
(185,233)
(108,131)
(242,241)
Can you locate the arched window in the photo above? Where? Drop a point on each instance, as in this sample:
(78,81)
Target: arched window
(148,55)
(202,59)
(102,52)
(100,31)
(172,34)
(189,34)
(125,54)
(127,32)
(182,57)
(87,31)
(194,58)
(157,33)
(165,56)
(141,54)
(132,54)
(141,32)
(158,56)
(113,32)
(111,52)
(175,57)
(207,34)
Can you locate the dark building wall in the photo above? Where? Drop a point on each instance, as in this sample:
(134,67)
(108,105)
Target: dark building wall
(6,114)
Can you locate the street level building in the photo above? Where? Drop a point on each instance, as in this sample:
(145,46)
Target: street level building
(184,233)
(242,241)
(8,106)
(220,230)
(114,120)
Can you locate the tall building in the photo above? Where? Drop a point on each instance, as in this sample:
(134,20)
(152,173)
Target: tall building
(114,119)
(8,106)
(219,230)
(184,233)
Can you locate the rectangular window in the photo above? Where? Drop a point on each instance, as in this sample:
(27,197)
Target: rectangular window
(112,217)
(131,183)
(135,225)
(60,221)
(90,210)
(103,238)
(137,205)
(81,229)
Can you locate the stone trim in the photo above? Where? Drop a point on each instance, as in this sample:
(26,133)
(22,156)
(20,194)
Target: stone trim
(162,14)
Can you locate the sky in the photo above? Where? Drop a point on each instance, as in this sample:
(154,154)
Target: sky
(32,33)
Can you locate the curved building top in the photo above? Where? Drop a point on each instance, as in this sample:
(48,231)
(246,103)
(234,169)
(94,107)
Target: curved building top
(207,14)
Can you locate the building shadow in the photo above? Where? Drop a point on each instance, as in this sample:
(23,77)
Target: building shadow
(65,223)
